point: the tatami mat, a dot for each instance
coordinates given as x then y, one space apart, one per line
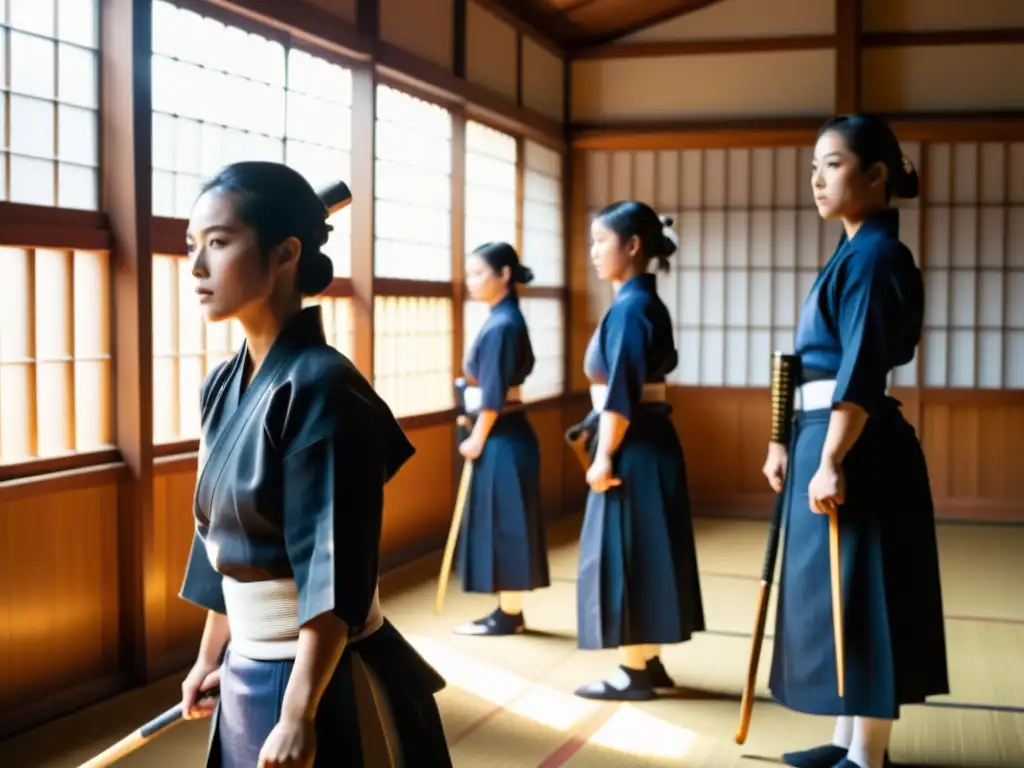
509 700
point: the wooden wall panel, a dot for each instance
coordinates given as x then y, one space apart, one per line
944 78
543 83
343 9
421 28
59 610
744 19
175 624
717 85
492 52
924 15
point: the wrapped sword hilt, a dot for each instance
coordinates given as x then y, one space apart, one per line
785 378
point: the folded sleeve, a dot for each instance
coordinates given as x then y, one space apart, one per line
624 347
333 502
496 362
869 308
202 584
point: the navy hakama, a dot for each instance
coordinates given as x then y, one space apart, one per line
502 543
378 709
638 581
289 502
863 317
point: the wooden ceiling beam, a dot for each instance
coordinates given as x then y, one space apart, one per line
681 9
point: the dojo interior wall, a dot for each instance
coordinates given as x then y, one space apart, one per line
712 118
99 337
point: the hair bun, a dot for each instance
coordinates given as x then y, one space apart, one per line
907 183
523 274
316 271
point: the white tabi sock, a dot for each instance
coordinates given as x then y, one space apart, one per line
843 734
870 740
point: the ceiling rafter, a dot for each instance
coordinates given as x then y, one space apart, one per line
578 24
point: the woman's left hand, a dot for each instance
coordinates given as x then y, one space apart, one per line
291 744
827 489
471 448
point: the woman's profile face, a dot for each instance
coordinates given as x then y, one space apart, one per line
610 257
841 187
225 257
482 282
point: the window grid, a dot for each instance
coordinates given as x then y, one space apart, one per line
337 316
222 94
412 188
974 266
55 353
545 319
750 245
491 186
185 349
49 105
543 239
413 353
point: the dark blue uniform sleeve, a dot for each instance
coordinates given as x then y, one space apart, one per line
333 504
202 584
496 362
624 345
868 296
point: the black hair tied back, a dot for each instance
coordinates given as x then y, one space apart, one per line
872 140
500 255
278 202
631 218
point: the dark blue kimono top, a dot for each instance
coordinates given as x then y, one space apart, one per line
864 314
634 344
291 476
501 355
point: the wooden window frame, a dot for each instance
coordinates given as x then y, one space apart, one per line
126 227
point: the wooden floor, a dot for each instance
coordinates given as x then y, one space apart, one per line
509 701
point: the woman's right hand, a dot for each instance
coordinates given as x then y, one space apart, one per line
201 678
775 466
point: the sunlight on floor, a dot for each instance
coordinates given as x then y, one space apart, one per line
638 733
628 730
518 695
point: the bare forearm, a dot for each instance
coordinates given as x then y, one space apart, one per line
844 428
484 423
611 431
215 637
321 644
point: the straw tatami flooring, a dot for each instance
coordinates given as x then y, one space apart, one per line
509 700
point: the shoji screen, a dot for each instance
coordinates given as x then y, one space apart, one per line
974 266
750 245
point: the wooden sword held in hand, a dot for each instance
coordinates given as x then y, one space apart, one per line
142 736
465 481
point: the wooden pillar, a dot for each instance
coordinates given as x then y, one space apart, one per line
126 114
364 112
849 14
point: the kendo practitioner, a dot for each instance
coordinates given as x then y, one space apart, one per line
853 454
638 585
502 543
295 451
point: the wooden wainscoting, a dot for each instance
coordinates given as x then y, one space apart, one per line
973 440
59 610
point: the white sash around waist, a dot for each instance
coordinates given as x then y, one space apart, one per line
473 398
651 393
816 395
263 617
